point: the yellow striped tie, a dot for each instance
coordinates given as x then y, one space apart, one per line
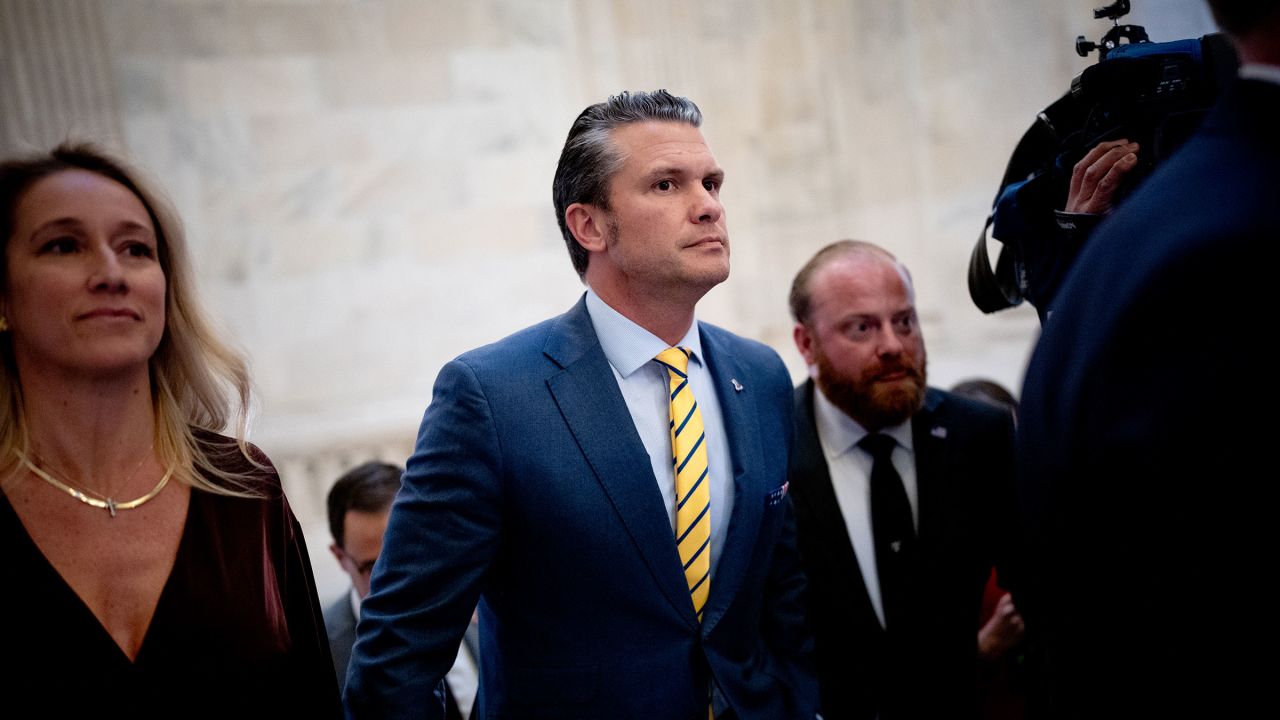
693 497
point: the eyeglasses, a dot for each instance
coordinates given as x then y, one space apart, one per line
364 569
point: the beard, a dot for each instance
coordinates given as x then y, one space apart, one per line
875 405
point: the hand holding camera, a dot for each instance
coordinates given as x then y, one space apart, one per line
1098 175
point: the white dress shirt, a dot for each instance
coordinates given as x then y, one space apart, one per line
1259 71
850 468
645 387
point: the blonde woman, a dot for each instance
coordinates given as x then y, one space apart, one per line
154 566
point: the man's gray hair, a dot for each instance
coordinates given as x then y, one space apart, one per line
590 158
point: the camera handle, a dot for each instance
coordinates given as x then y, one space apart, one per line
1110 41
1114 36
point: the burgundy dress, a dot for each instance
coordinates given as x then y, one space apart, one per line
237 632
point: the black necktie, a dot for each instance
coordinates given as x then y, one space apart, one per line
892 529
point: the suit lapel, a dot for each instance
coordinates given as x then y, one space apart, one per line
929 433
822 509
739 411
592 406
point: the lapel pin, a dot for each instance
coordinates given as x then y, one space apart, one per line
939 432
737 386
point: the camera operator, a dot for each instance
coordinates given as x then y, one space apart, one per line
1088 150
1142 448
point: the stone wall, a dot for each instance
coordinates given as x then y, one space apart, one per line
366 184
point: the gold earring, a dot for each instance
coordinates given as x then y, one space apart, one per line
4 324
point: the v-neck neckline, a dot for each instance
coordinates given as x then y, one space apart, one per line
82 608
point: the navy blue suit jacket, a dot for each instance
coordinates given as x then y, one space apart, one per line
530 491
1144 482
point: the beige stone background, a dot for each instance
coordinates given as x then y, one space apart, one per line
366 184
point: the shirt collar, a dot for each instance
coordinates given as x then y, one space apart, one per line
626 345
840 432
1259 71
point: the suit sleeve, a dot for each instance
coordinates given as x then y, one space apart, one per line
441 539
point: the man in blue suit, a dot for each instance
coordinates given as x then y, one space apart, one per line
612 582
1143 439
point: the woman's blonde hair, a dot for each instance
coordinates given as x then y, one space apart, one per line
198 382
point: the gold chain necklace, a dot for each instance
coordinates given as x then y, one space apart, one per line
108 504
42 463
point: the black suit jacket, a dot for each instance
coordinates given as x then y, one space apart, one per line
1146 489
964 469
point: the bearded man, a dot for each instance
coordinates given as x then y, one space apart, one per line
903 496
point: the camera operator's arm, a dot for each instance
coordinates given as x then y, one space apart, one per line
1044 240
1090 196
1098 175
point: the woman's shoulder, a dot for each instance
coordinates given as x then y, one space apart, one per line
246 462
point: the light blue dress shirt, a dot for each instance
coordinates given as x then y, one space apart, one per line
631 350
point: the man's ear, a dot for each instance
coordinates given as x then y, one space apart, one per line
589 225
337 552
804 342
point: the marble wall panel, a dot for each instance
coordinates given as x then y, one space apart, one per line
366 184
55 79
374 80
